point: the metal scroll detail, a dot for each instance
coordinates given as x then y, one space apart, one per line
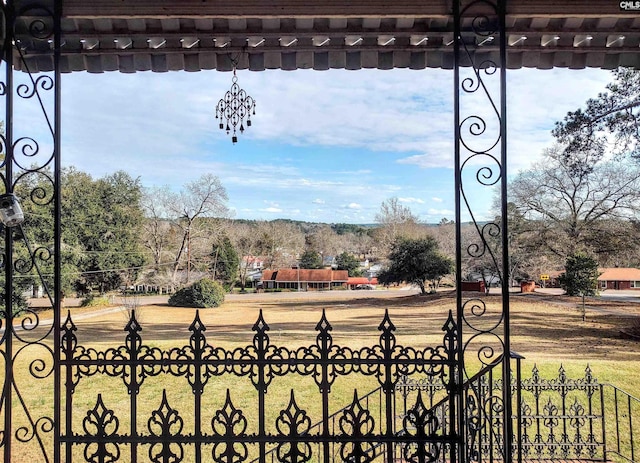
480 158
176 430
29 169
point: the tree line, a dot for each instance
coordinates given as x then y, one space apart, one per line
583 198
116 233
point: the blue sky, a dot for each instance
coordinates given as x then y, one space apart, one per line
324 146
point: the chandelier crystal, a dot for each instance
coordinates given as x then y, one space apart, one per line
233 108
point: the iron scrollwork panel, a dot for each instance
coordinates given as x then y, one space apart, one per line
480 116
29 170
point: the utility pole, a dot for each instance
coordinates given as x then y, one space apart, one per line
188 254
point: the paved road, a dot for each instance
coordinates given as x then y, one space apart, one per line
609 294
548 295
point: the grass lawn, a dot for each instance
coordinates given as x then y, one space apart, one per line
546 334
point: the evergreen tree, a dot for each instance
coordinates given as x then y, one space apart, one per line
346 261
613 115
581 275
102 223
225 263
416 261
310 259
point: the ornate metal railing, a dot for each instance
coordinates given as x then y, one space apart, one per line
29 170
431 386
621 419
561 418
372 400
557 419
230 436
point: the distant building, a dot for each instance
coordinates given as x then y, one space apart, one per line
304 279
619 278
252 262
329 261
373 269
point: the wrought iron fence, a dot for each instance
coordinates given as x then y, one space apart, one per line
356 435
561 418
557 418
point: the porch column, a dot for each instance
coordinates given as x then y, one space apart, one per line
30 170
481 160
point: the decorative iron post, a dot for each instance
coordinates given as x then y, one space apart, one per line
480 159
30 172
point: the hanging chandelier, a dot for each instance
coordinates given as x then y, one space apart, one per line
233 108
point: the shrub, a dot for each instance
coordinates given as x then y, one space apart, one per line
93 301
201 294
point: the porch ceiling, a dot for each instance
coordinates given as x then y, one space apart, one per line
192 35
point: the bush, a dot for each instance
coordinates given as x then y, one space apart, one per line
201 294
93 301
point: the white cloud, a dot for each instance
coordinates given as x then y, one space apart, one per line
272 210
318 201
440 155
411 200
354 172
363 109
353 206
436 200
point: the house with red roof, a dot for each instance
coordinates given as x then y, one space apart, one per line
305 279
619 278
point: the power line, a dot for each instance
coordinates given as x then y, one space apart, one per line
90 272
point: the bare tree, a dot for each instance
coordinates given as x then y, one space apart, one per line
244 237
190 214
573 208
395 221
280 243
324 241
360 244
445 235
158 236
